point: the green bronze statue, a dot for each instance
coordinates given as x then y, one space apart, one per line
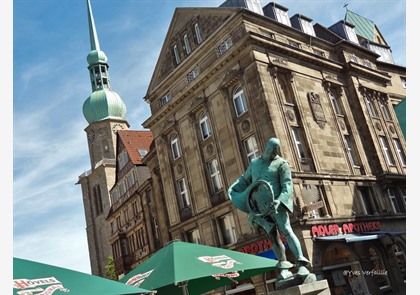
265 192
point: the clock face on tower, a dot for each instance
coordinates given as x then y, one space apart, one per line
116 127
91 135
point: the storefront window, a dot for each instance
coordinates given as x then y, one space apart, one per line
343 271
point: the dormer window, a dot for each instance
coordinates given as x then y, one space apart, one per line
142 152
303 23
282 16
255 6
307 27
351 33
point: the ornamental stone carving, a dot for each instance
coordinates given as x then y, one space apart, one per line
317 111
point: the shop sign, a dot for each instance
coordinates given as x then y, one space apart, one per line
312 206
259 247
346 228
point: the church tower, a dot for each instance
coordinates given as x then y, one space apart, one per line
105 113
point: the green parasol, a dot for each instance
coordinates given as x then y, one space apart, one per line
32 278
187 268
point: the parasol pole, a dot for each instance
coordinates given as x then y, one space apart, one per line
184 286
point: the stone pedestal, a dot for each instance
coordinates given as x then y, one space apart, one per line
314 288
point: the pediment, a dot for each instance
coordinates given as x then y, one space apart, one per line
183 23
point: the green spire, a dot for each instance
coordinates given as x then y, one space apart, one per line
103 103
95 55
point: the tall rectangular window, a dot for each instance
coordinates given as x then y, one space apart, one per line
299 143
371 107
126 217
99 208
122 159
364 199
176 151
394 201
402 191
193 236
350 151
251 148
385 111
228 229
205 126
216 179
335 102
386 150
156 228
130 179
149 197
198 35
400 152
176 54
403 82
239 101
187 45
135 208
183 193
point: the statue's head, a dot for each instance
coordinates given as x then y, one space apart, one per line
272 148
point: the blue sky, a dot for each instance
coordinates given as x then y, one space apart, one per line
51 82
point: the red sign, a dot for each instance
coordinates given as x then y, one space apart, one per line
346 228
258 247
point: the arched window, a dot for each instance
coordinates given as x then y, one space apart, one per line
176 151
205 126
400 258
381 276
239 101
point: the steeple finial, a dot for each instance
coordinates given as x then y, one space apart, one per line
94 41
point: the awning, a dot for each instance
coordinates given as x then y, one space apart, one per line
349 238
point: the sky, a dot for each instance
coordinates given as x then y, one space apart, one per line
50 83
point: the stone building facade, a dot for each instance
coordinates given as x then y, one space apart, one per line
227 80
